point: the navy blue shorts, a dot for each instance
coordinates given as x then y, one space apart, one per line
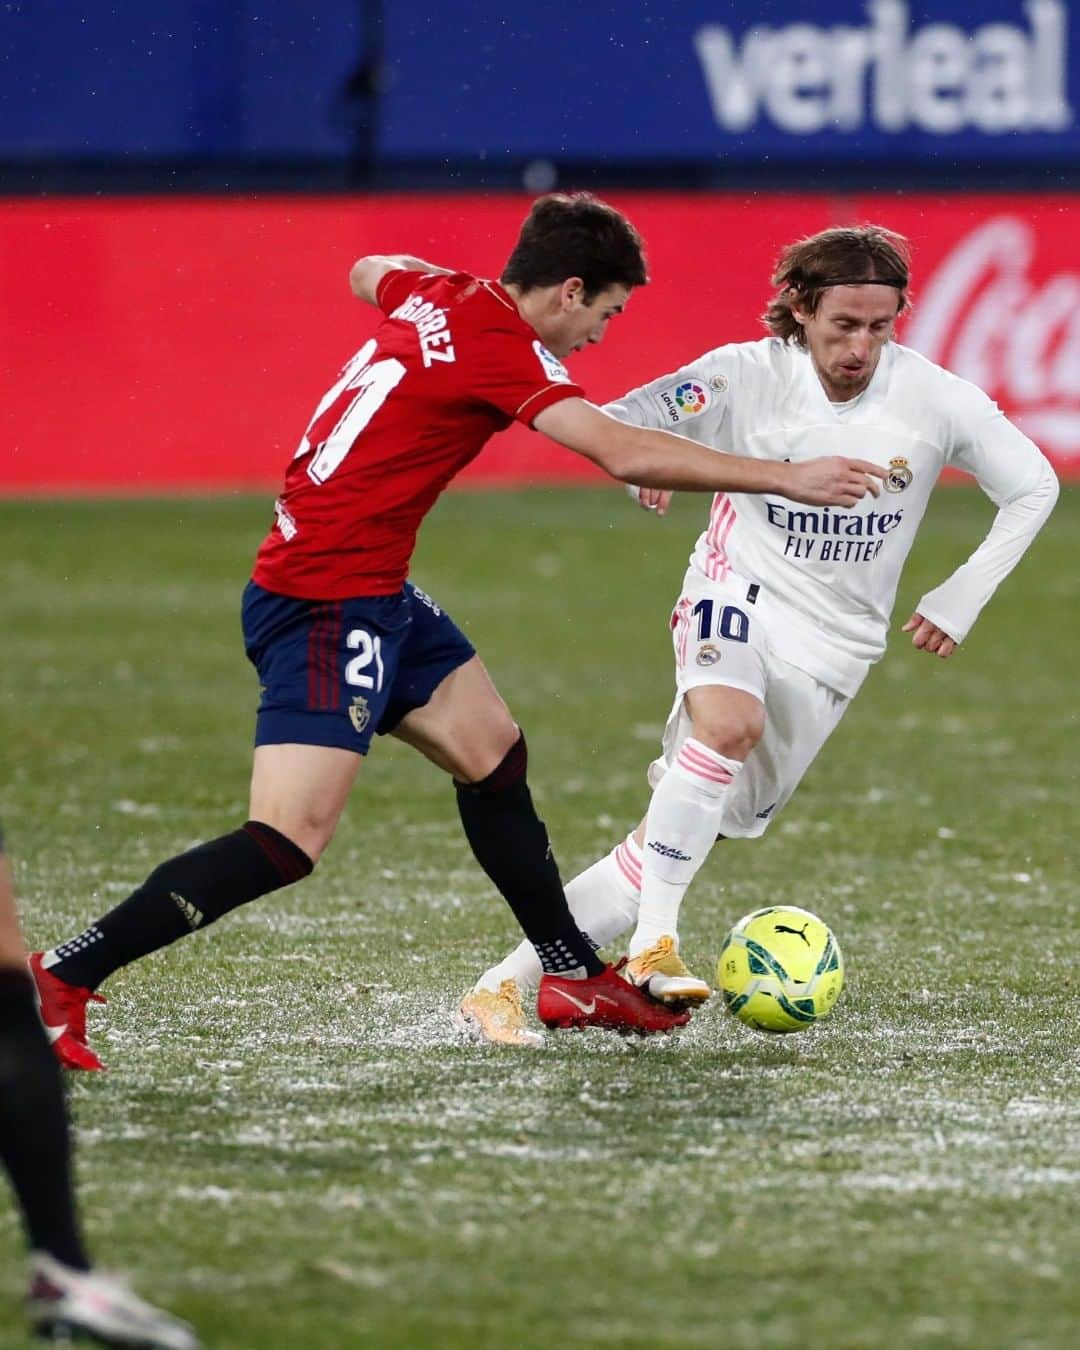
333 672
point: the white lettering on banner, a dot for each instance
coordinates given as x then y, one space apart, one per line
982 316
940 78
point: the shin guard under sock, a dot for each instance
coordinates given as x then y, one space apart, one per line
511 844
185 893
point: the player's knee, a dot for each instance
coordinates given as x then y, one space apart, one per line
312 837
510 769
733 735
309 831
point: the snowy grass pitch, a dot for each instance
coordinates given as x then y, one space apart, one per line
292 1148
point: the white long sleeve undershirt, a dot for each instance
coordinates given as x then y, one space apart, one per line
956 603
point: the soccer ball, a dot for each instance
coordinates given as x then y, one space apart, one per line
780 969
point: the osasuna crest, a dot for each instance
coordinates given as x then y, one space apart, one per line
553 367
359 714
899 476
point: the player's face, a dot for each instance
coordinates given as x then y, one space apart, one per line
846 335
577 323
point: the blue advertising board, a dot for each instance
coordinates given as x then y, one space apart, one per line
706 79
645 82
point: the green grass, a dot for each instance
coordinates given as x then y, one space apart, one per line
293 1150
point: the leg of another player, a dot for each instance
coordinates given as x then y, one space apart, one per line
680 828
35 1150
604 902
605 898
467 729
33 1124
297 795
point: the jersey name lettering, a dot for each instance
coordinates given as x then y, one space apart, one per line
436 341
286 524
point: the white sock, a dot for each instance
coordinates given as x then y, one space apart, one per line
603 900
680 829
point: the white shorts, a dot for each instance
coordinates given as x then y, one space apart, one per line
720 640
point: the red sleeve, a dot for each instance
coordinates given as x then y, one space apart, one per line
393 288
520 377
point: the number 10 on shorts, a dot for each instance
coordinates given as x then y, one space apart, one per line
731 622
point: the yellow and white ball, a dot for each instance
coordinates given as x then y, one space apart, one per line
780 969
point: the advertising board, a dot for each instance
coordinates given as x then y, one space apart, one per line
155 345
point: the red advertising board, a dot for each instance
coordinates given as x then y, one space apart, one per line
156 344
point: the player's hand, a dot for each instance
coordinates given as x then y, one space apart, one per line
651 499
834 481
655 499
928 637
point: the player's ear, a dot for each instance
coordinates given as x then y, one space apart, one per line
572 292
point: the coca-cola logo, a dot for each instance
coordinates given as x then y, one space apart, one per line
984 316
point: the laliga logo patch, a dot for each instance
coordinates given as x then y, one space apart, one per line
553 367
359 714
899 476
680 401
707 654
691 398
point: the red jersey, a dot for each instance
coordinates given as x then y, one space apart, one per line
452 363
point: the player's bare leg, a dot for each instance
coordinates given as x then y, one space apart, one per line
12 951
466 728
680 829
301 791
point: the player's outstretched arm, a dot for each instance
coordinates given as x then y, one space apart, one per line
658 459
366 273
1018 478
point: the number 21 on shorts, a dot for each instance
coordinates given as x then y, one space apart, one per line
369 653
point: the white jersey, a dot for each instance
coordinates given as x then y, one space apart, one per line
828 575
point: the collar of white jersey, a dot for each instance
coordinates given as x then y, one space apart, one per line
816 400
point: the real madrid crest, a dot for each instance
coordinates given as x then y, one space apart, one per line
707 654
359 714
899 476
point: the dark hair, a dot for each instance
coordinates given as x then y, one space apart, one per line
576 235
843 256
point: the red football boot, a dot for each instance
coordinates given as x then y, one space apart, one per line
63 1011
605 1000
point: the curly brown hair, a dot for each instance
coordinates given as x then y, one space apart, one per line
842 256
